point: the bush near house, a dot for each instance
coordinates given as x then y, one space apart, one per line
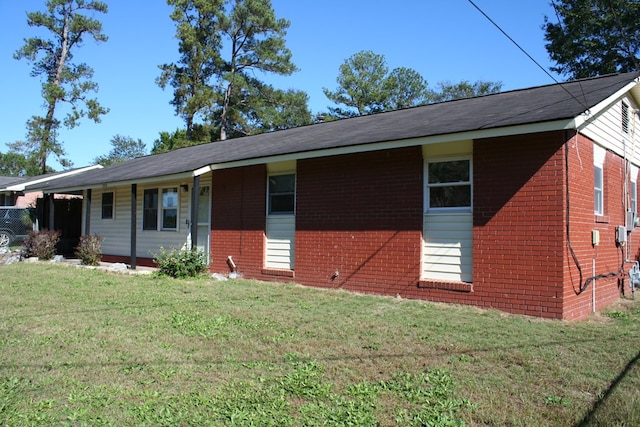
41 244
89 250
180 263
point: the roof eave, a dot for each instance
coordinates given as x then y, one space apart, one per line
113 184
22 186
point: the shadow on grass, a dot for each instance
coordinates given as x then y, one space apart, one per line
589 417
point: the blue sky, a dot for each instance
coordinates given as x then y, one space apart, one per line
442 40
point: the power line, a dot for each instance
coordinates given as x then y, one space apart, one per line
513 41
525 52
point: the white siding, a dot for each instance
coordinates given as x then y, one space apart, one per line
117 231
606 131
448 247
280 241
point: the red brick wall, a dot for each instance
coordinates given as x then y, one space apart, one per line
238 219
360 215
607 256
518 224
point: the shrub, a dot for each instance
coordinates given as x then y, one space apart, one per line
89 250
180 263
41 244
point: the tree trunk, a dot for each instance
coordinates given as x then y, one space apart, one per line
48 139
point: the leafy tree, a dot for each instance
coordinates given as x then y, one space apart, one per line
406 88
593 37
170 141
216 83
257 43
262 108
276 109
199 46
63 81
124 148
366 86
448 91
361 85
16 164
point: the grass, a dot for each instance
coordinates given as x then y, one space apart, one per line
87 347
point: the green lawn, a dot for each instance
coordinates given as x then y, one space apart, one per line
86 347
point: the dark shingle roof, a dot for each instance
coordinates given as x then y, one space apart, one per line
563 101
6 181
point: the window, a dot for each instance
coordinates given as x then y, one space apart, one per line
150 209
599 155
449 185
281 194
625 117
107 205
166 213
170 208
598 191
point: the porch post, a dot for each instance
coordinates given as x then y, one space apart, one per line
195 193
87 212
51 220
134 204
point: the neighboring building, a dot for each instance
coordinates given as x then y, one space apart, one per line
7 197
524 201
14 192
12 189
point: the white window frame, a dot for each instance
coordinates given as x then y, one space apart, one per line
167 204
295 185
113 206
599 155
598 190
428 186
163 204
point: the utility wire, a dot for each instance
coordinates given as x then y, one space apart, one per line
562 27
526 53
513 41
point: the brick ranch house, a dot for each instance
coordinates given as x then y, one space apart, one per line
524 201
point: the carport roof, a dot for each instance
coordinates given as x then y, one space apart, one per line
562 103
9 180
